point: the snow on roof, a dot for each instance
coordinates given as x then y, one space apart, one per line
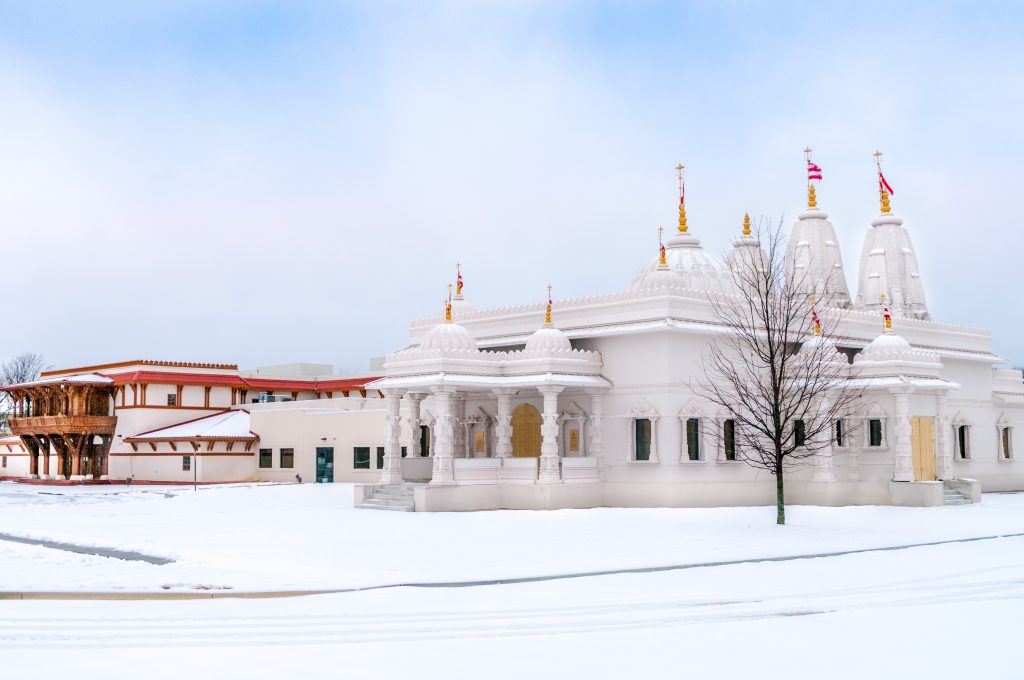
226 425
79 379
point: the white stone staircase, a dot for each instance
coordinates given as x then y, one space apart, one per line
951 496
396 497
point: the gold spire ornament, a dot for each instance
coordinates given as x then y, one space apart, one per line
813 172
814 316
746 224
547 313
883 194
458 279
662 262
682 200
447 311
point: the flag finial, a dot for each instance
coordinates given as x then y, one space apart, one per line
662 262
886 316
813 173
746 224
682 199
814 316
884 190
458 280
547 312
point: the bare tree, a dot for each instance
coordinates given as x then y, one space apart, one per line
20 368
777 372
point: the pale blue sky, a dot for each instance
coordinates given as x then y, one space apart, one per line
266 182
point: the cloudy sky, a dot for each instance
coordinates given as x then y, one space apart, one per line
262 182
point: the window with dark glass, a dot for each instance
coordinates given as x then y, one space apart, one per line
266 458
839 433
404 452
799 433
172 399
693 438
874 432
361 458
961 441
729 439
186 462
5 461
642 434
380 457
424 440
1005 437
287 458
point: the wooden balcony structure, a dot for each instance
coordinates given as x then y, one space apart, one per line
70 419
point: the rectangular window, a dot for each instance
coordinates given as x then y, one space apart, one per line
874 432
642 434
361 458
186 462
962 442
5 461
287 458
172 399
839 433
799 433
729 439
1004 440
404 452
380 457
424 440
693 438
266 458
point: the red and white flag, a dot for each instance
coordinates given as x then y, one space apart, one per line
884 184
813 171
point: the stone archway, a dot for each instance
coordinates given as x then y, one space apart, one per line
526 438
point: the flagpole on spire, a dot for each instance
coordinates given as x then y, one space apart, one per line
884 190
682 199
886 316
813 172
547 312
458 280
662 262
814 316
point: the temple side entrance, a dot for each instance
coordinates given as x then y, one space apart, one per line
922 438
526 435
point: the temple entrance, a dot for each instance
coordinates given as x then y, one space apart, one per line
526 421
922 440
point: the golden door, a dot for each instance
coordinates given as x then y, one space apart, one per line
526 422
922 440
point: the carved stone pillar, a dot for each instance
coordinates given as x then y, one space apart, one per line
823 471
903 457
443 472
595 429
503 424
413 418
392 471
549 468
943 452
458 415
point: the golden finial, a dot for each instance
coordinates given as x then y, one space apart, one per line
448 311
814 316
682 200
547 313
662 262
812 199
458 279
883 195
886 316
746 224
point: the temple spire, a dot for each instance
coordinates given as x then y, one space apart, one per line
746 224
682 199
884 190
547 313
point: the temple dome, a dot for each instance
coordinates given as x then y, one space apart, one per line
695 268
448 337
886 346
829 350
548 339
460 307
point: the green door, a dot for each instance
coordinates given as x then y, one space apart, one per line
324 464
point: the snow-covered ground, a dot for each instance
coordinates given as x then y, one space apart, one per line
950 610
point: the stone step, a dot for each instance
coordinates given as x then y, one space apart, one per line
402 508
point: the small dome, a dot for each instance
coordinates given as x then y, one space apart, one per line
448 337
548 339
696 268
830 351
660 278
885 346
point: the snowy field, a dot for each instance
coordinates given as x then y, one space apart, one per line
948 610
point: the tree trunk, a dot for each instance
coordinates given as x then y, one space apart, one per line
780 497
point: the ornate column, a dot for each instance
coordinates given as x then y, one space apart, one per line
943 454
823 471
33 456
443 473
596 414
412 402
503 424
458 402
44 451
392 472
549 468
903 458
